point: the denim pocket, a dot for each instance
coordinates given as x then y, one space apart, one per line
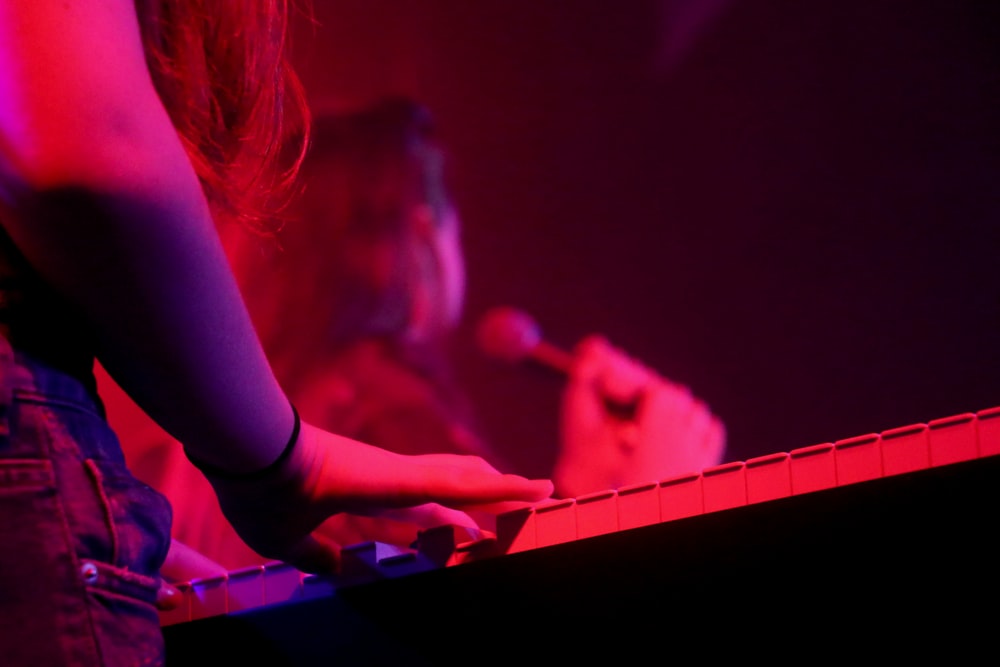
56 608
81 539
138 517
113 517
125 618
20 476
43 609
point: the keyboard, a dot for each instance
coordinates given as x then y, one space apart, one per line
882 540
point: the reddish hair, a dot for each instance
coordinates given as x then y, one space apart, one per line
221 68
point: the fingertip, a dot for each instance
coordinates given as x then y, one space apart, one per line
591 345
168 597
315 555
544 489
596 339
721 434
535 489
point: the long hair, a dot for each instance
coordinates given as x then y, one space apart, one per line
222 70
359 248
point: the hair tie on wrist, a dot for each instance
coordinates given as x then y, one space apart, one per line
219 473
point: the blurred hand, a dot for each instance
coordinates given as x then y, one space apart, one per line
328 474
668 431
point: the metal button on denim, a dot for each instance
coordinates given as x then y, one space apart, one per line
89 572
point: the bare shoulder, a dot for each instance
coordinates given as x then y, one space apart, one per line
68 69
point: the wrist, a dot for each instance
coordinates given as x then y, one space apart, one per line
268 471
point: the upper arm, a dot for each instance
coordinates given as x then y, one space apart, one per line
75 93
98 194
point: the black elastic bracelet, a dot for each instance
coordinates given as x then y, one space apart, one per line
219 473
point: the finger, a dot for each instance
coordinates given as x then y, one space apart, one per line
699 418
590 345
431 515
315 554
454 534
184 564
168 597
501 507
588 360
628 436
621 378
467 477
504 488
466 486
716 440
469 460
674 399
393 480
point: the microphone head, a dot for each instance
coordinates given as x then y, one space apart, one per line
508 334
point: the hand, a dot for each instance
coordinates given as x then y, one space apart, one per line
183 564
398 527
669 433
327 474
168 596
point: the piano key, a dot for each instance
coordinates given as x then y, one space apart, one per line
282 583
209 597
555 522
905 449
858 459
638 505
988 431
768 477
406 562
597 514
245 588
953 439
367 561
724 486
813 468
682 496
315 586
516 531
484 547
448 545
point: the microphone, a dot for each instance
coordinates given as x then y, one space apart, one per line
513 336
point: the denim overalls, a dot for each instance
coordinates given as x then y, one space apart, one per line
81 539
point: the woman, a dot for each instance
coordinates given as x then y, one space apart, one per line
126 130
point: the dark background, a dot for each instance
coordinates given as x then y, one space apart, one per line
789 206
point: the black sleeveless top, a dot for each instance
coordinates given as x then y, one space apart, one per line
37 321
